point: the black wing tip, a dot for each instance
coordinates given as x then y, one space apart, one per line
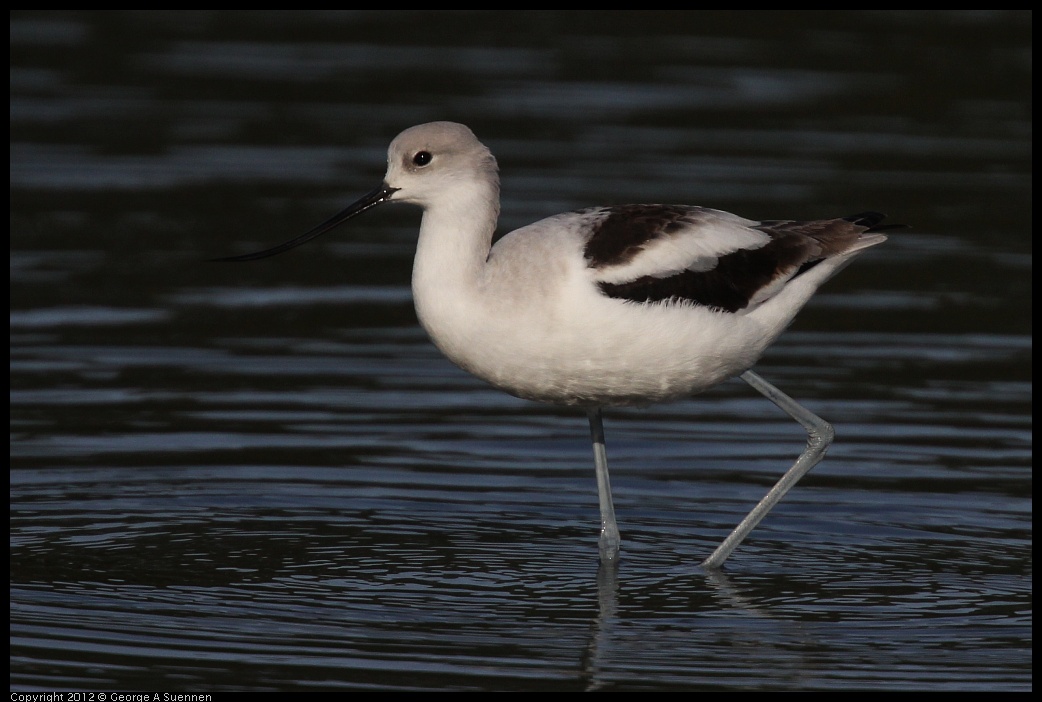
871 221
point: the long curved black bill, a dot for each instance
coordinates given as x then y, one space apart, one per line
355 208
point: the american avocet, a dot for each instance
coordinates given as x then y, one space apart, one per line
623 305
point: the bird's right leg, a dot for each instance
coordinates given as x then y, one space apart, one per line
819 435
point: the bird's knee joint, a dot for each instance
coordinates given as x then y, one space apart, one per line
821 436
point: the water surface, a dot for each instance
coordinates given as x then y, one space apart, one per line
263 476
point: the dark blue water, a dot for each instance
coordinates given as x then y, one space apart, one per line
263 476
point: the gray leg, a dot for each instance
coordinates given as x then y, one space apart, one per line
819 436
609 541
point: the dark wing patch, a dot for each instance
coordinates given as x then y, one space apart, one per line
794 248
730 286
623 233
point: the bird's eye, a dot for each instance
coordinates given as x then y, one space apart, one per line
422 158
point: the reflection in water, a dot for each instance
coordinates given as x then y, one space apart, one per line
601 629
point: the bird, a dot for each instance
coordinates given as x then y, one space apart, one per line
618 305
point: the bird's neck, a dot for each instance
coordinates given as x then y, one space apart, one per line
451 257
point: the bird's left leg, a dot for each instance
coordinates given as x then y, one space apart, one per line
609 540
